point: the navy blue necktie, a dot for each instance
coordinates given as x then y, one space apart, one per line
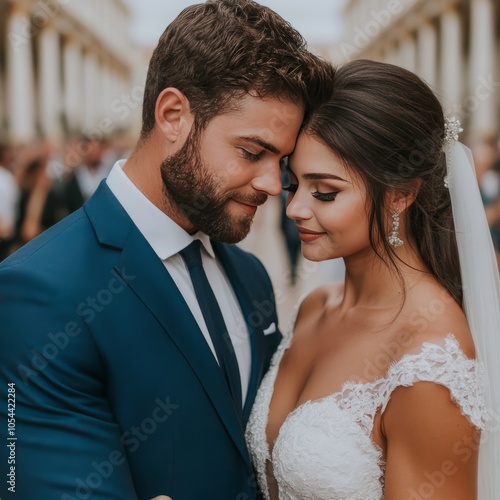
214 321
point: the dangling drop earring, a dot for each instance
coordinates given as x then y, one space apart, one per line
394 238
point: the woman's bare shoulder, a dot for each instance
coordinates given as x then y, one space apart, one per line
314 304
326 295
433 318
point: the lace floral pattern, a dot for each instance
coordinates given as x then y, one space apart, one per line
257 424
324 448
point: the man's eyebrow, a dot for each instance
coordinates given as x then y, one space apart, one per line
263 144
318 177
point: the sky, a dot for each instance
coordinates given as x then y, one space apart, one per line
318 21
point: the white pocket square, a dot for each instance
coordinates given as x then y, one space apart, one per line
270 329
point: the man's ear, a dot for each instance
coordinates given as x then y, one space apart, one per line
401 199
173 115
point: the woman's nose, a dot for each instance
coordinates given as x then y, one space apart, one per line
296 208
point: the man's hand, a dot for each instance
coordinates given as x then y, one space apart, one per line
161 497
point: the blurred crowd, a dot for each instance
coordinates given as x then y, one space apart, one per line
41 184
487 161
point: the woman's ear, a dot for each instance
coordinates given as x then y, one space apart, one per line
173 115
400 199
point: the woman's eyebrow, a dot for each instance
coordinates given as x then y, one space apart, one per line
321 176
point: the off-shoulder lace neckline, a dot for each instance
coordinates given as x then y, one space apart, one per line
450 343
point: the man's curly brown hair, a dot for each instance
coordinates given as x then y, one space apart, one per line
220 50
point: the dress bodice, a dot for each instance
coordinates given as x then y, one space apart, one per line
324 449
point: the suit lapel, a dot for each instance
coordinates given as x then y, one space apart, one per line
148 278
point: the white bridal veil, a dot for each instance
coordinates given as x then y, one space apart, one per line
481 290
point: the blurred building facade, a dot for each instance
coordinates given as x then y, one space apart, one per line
66 67
452 44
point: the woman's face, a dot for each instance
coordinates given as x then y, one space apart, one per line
327 202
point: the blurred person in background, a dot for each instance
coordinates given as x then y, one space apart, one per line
487 163
9 201
491 199
38 204
88 164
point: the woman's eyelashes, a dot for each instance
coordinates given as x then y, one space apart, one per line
325 196
329 196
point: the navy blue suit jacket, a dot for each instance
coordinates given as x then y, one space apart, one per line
116 393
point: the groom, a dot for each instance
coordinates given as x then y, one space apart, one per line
133 335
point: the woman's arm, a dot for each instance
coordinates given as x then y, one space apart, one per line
432 449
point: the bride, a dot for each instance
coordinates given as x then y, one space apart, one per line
381 388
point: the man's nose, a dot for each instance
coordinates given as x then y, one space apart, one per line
268 181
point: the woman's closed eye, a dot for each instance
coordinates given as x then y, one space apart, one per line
325 196
329 196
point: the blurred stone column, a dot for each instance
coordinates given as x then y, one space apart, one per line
73 88
391 55
427 52
408 52
50 83
482 68
452 72
106 91
20 77
91 83
98 92
123 85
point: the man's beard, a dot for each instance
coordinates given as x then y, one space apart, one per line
193 190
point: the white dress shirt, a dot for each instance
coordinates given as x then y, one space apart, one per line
167 239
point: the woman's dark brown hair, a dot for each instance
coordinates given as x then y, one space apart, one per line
387 125
220 50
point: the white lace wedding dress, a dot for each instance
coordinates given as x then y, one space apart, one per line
324 450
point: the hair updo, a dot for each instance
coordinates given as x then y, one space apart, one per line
387 126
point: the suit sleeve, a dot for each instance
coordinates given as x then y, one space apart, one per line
63 442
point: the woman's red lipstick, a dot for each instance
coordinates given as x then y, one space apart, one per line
306 235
